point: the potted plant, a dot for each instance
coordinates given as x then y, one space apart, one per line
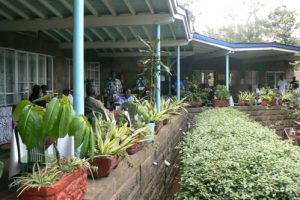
267 96
35 125
222 97
287 97
111 142
246 98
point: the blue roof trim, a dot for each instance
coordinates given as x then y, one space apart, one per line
245 45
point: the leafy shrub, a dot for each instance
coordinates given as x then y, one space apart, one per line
222 92
228 156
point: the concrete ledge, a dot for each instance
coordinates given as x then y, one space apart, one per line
144 180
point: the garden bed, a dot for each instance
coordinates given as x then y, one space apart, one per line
228 156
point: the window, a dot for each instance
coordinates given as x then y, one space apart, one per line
19 71
204 77
272 78
93 74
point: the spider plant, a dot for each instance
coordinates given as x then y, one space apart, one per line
51 173
246 96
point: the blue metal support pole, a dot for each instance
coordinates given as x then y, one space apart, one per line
170 78
178 73
227 71
157 88
78 58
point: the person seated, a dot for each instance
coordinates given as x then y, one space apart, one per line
294 85
91 104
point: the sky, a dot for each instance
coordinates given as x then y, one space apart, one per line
216 13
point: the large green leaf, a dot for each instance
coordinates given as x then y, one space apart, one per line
51 116
85 144
65 121
92 143
29 126
17 111
1 168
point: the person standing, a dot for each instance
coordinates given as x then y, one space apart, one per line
113 89
294 84
282 84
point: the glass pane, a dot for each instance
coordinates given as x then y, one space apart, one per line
10 99
49 73
2 99
23 89
42 70
32 68
10 71
2 72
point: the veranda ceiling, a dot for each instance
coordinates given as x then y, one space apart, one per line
111 26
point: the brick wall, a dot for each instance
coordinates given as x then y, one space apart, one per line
144 180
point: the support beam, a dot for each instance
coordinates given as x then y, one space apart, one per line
140 54
33 9
178 73
147 33
227 71
90 22
172 31
97 34
78 56
51 8
3 13
67 5
157 85
14 9
109 7
129 6
88 37
123 44
61 35
52 36
90 8
109 34
121 33
133 32
150 7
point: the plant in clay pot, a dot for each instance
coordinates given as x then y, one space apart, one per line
246 98
222 97
267 96
37 124
111 143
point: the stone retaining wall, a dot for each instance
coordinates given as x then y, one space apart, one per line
144 179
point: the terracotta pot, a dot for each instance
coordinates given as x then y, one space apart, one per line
264 102
220 102
244 103
135 148
71 186
105 165
165 121
194 104
158 126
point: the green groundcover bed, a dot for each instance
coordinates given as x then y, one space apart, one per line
229 156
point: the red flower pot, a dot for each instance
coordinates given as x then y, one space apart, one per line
244 103
71 186
264 102
220 103
135 148
158 126
194 104
105 165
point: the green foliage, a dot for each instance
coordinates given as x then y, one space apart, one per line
228 156
222 92
150 63
268 94
1 168
35 123
48 175
113 140
246 96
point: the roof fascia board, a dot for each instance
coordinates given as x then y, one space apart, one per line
264 49
213 44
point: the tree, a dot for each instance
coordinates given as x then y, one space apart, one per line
281 25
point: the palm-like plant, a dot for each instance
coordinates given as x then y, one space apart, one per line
150 63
